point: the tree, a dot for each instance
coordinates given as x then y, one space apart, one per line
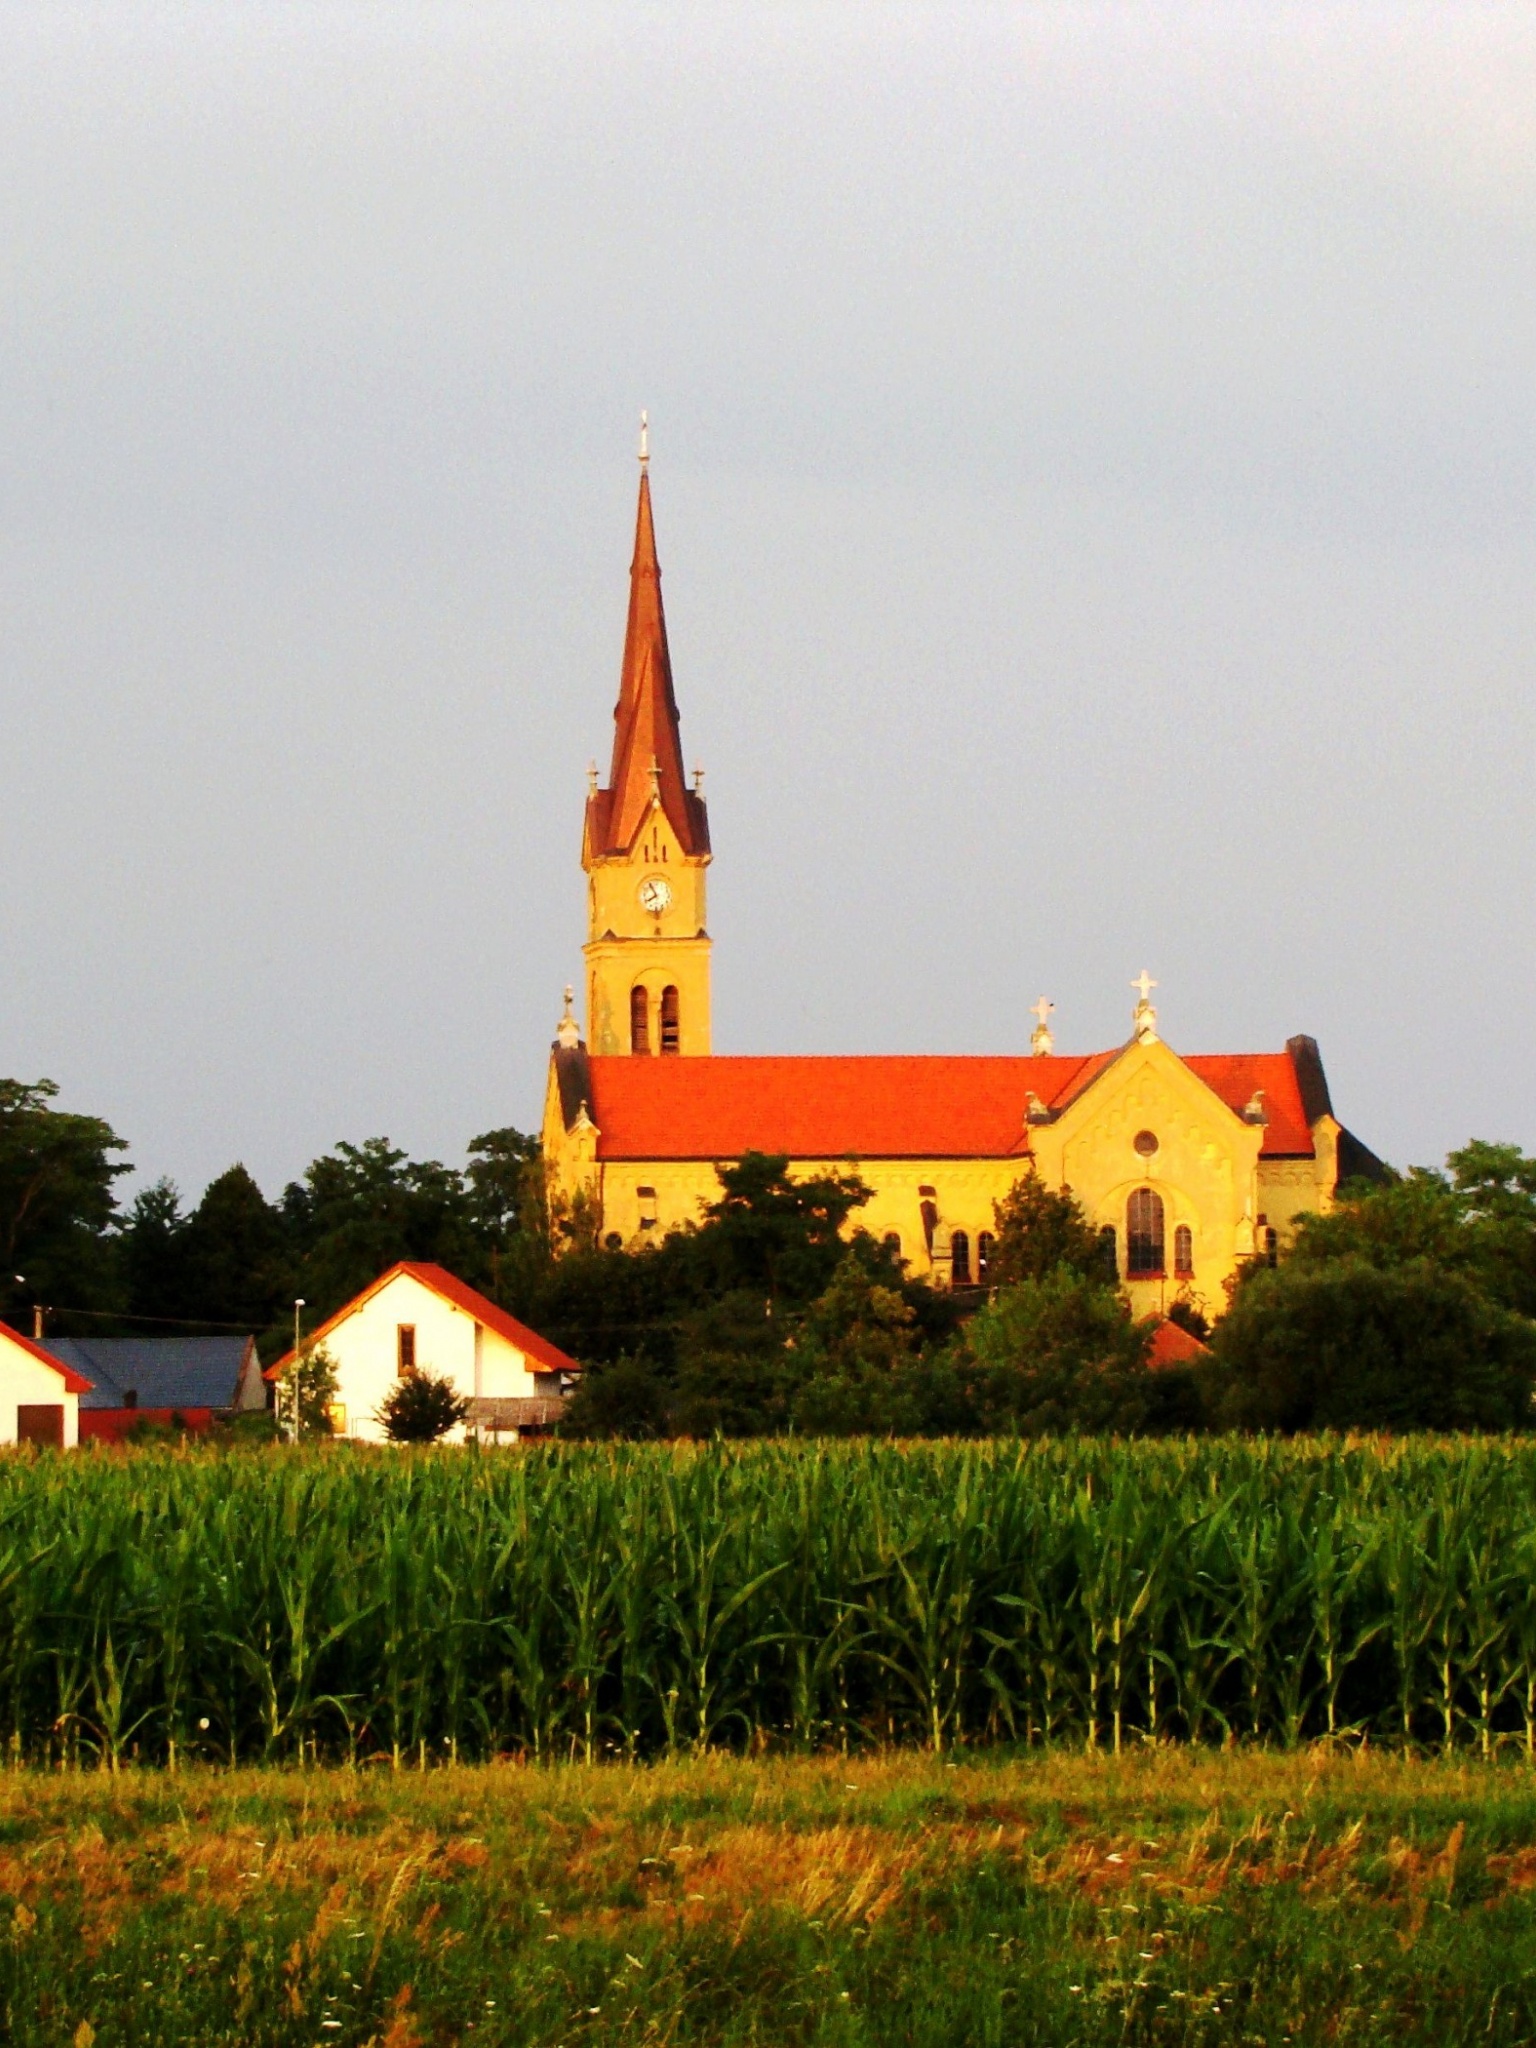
770 1233
237 1263
363 1207
627 1397
1041 1228
421 1408
1347 1343
154 1255
1057 1353
306 1392
56 1202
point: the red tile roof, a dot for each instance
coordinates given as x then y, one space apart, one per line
74 1382
450 1288
1173 1345
1234 1076
880 1107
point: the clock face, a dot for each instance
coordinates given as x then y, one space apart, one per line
655 894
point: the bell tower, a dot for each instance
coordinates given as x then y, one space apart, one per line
646 845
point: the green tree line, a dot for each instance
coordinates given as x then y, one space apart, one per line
1411 1305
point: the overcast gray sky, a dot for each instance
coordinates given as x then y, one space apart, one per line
1094 460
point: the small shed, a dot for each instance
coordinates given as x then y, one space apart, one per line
158 1379
39 1395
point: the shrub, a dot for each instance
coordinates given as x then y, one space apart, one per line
421 1408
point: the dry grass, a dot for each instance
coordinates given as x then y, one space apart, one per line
782 1900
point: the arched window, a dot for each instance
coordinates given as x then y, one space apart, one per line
892 1243
1109 1253
1143 1234
959 1258
985 1245
669 1028
1271 1247
1183 1251
639 1020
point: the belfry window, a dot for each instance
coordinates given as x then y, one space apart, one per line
1144 1234
960 1258
639 1020
986 1244
1183 1251
1271 1246
669 1024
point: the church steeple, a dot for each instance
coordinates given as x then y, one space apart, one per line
647 742
646 844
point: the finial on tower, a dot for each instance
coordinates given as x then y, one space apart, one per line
1144 1020
645 439
1041 1042
568 1031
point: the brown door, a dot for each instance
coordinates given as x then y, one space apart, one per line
40 1422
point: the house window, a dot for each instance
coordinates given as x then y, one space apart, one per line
405 1350
1183 1251
985 1245
1109 1253
639 1020
669 1027
960 1258
1144 1234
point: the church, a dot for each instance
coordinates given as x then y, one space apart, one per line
1190 1164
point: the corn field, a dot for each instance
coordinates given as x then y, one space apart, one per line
589 1602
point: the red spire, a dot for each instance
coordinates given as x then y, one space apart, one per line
647 745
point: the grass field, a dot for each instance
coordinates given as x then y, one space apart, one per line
1164 1896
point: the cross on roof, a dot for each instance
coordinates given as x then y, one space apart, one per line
1144 984
1042 1010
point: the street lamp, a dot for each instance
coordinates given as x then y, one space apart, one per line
297 1366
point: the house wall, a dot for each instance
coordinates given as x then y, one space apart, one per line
449 1343
24 1382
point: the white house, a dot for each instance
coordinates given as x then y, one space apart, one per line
39 1395
420 1318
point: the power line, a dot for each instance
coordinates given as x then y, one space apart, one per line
108 1315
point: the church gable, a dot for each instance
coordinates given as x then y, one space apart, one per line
1164 1161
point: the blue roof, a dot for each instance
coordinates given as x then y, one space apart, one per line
163 1372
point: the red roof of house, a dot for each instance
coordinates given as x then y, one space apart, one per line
1173 1345
899 1106
74 1382
451 1289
